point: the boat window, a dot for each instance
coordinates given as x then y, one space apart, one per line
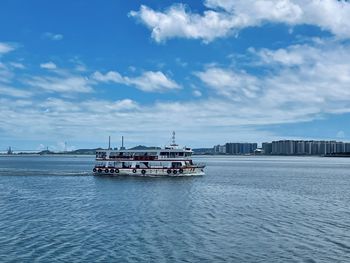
99 164
101 154
113 155
145 164
176 164
117 164
126 164
181 154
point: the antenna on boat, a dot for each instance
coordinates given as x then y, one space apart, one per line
122 148
173 140
109 142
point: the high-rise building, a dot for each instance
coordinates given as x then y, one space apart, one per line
266 147
241 148
300 147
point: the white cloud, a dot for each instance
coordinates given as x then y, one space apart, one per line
57 118
48 65
300 83
225 17
239 103
149 81
13 92
197 93
6 48
310 79
61 84
229 83
53 36
281 56
110 76
79 65
17 65
177 22
6 74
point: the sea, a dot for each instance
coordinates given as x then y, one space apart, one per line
245 209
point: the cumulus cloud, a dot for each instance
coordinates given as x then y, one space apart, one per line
48 65
225 17
282 56
149 81
314 78
230 83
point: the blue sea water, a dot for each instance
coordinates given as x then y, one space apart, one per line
245 209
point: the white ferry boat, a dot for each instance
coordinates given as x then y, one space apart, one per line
169 161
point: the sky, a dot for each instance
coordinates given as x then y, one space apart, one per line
215 71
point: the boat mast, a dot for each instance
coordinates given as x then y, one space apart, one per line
173 140
122 148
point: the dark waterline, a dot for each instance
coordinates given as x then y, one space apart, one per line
245 209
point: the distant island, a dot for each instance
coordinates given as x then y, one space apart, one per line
75 152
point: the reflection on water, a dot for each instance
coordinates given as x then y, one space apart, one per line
244 209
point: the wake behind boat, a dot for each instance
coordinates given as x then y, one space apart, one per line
169 161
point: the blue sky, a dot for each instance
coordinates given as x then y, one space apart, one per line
214 71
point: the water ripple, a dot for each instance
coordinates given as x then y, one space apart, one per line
246 209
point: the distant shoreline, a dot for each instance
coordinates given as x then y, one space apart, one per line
195 154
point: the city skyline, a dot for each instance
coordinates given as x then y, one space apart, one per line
79 71
285 147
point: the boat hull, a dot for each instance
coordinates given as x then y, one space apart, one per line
193 171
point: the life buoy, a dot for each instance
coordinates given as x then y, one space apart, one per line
175 171
168 171
100 170
112 171
143 171
181 170
117 171
134 171
94 170
106 171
